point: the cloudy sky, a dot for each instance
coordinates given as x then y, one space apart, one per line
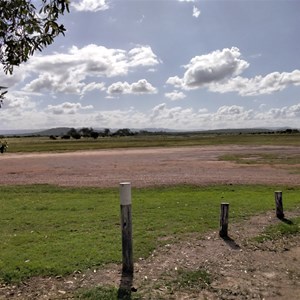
178 64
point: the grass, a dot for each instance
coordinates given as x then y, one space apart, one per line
285 228
261 158
187 279
47 230
42 144
106 293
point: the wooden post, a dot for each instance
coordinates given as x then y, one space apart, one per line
126 226
279 207
224 220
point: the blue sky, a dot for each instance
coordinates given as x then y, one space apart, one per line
178 64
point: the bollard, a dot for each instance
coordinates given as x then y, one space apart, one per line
224 220
126 226
279 207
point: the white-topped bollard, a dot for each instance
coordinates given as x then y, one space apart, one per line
126 227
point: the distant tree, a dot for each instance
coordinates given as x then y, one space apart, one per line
76 136
106 132
94 134
66 137
86 132
144 132
123 132
72 132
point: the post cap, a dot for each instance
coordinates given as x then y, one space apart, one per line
125 193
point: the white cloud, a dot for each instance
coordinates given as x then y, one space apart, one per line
210 68
67 108
258 85
233 113
225 117
175 95
93 86
176 81
142 56
203 111
141 20
66 73
143 87
285 112
140 87
219 72
160 116
174 117
90 5
16 102
196 12
11 80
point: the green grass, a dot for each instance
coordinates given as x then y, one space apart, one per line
42 144
273 232
187 279
261 158
48 230
106 293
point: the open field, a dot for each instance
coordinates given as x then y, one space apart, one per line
40 224
44 144
176 197
50 232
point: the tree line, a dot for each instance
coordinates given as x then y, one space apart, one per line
87 132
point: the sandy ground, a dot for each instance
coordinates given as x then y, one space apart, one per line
146 167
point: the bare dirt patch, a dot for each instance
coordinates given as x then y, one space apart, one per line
238 267
147 167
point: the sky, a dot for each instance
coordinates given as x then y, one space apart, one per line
176 64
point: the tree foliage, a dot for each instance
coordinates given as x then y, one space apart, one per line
2 95
123 132
25 28
74 134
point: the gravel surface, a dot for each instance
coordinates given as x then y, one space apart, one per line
147 167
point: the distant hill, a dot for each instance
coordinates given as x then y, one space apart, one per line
59 131
40 132
238 130
17 132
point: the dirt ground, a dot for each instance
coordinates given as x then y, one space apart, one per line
147 167
239 267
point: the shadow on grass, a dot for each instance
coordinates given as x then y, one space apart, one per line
287 221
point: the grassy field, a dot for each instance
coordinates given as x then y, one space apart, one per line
40 144
283 229
262 158
48 230
290 162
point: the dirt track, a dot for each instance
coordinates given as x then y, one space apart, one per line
146 167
